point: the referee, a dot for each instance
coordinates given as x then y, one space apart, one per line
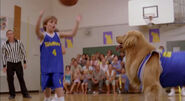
13 54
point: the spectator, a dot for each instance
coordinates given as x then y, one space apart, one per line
98 76
77 82
78 58
88 66
102 57
72 61
83 61
104 66
85 81
161 49
75 66
109 56
121 56
87 57
124 80
67 78
110 79
117 67
94 60
97 55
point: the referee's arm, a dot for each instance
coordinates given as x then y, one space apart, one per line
23 52
4 56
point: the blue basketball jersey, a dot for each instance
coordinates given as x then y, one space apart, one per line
51 55
173 64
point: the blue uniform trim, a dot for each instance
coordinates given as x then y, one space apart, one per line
145 60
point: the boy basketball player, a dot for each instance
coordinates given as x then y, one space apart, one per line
52 67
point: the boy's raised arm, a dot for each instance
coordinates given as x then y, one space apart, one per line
37 30
74 31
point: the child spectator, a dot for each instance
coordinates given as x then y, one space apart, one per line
110 79
94 60
117 67
85 81
83 61
109 56
124 80
77 82
67 78
104 66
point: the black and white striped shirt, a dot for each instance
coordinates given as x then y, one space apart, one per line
13 52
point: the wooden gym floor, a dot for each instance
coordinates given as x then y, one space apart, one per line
90 97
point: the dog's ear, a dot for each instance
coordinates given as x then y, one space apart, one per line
130 41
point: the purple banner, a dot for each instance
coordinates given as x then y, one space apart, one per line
69 42
107 37
154 35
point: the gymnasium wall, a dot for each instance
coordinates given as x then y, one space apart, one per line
94 12
30 10
102 16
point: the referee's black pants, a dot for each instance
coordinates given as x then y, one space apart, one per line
11 69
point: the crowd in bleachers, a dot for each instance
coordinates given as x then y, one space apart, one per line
97 73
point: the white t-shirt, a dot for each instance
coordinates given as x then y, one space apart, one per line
104 67
90 68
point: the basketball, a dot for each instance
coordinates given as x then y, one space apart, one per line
68 2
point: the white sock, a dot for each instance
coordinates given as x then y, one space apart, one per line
60 99
56 95
47 99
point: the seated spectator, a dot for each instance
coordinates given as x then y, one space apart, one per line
121 56
110 79
104 66
97 55
88 66
75 66
78 58
67 78
72 61
87 57
98 76
77 82
109 56
124 80
83 61
86 77
102 57
94 61
117 67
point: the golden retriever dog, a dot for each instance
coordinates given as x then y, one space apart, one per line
137 48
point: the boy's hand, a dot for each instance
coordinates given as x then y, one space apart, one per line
42 12
78 18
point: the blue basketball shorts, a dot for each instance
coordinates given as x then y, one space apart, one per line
51 80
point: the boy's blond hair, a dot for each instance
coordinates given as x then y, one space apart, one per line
47 19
